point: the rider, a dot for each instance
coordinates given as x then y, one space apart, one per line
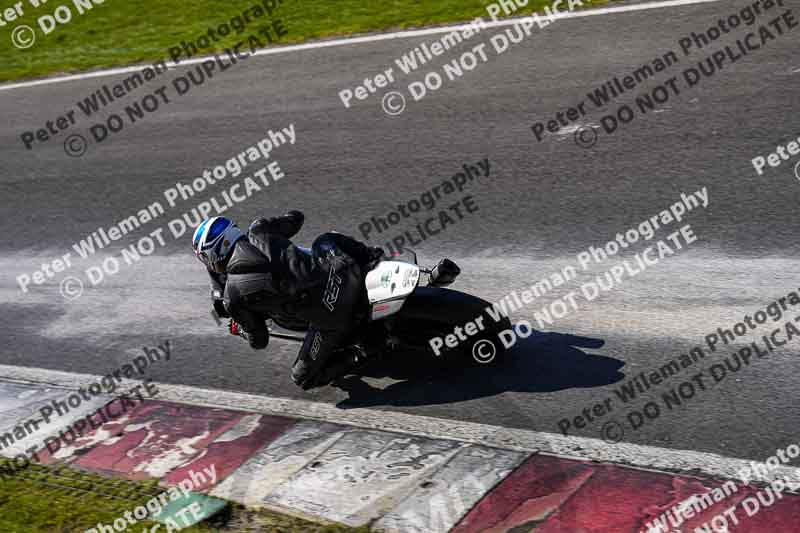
264 275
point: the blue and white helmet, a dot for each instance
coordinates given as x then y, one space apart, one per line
213 242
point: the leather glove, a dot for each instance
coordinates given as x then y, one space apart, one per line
287 226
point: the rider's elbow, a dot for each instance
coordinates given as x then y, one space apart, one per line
259 342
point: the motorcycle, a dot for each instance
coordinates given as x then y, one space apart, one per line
401 314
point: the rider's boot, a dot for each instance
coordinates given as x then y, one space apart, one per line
346 360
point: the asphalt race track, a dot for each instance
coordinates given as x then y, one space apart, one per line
541 204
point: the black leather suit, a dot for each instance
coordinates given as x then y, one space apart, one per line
268 276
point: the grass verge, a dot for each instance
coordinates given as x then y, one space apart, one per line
115 33
39 499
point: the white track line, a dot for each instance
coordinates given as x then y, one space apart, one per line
641 456
366 39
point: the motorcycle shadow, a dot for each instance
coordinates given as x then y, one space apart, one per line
544 362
